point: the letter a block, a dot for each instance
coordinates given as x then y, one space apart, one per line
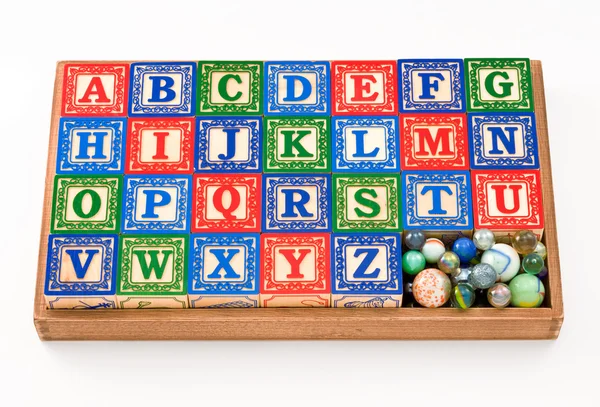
153 272
366 270
86 204
297 144
295 270
81 272
499 84
507 201
224 271
364 88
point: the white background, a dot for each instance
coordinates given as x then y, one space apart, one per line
564 35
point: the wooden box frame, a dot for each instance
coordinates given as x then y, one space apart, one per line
317 323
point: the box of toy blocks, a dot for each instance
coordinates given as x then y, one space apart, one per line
390 199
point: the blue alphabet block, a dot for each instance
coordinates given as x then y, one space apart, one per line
297 203
366 144
156 204
431 85
162 89
90 145
503 141
297 88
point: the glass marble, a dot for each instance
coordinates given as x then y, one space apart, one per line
524 241
463 296
449 262
484 239
499 295
504 259
465 249
414 239
543 274
413 262
483 276
532 263
527 291
461 275
540 249
432 288
433 250
408 288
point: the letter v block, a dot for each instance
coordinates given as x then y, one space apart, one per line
295 270
366 270
153 272
224 271
81 272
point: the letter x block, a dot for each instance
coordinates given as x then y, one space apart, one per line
153 272
224 271
366 270
81 272
295 270
507 201
364 88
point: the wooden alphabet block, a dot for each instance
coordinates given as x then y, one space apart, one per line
223 301
295 301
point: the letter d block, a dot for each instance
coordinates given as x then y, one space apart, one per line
153 272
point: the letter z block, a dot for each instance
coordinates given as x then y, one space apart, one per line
81 272
224 271
295 270
366 270
153 272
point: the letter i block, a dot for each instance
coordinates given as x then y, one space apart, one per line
297 144
295 270
163 89
86 204
297 88
153 272
232 88
364 88
81 272
366 270
507 201
438 202
434 141
95 90
224 271
366 203
226 203
498 84
159 146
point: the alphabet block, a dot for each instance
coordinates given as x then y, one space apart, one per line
95 90
434 141
153 272
297 203
81 272
225 265
366 203
229 144
163 89
431 85
503 141
90 145
86 204
365 144
295 270
297 144
507 201
160 146
156 204
297 88
232 88
367 271
226 203
364 88
498 84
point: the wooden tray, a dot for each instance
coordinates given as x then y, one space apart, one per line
316 323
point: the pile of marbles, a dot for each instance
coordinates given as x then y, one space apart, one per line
475 272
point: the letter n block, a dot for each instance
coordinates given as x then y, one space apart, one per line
507 201
364 88
81 272
224 271
153 272
366 270
295 270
